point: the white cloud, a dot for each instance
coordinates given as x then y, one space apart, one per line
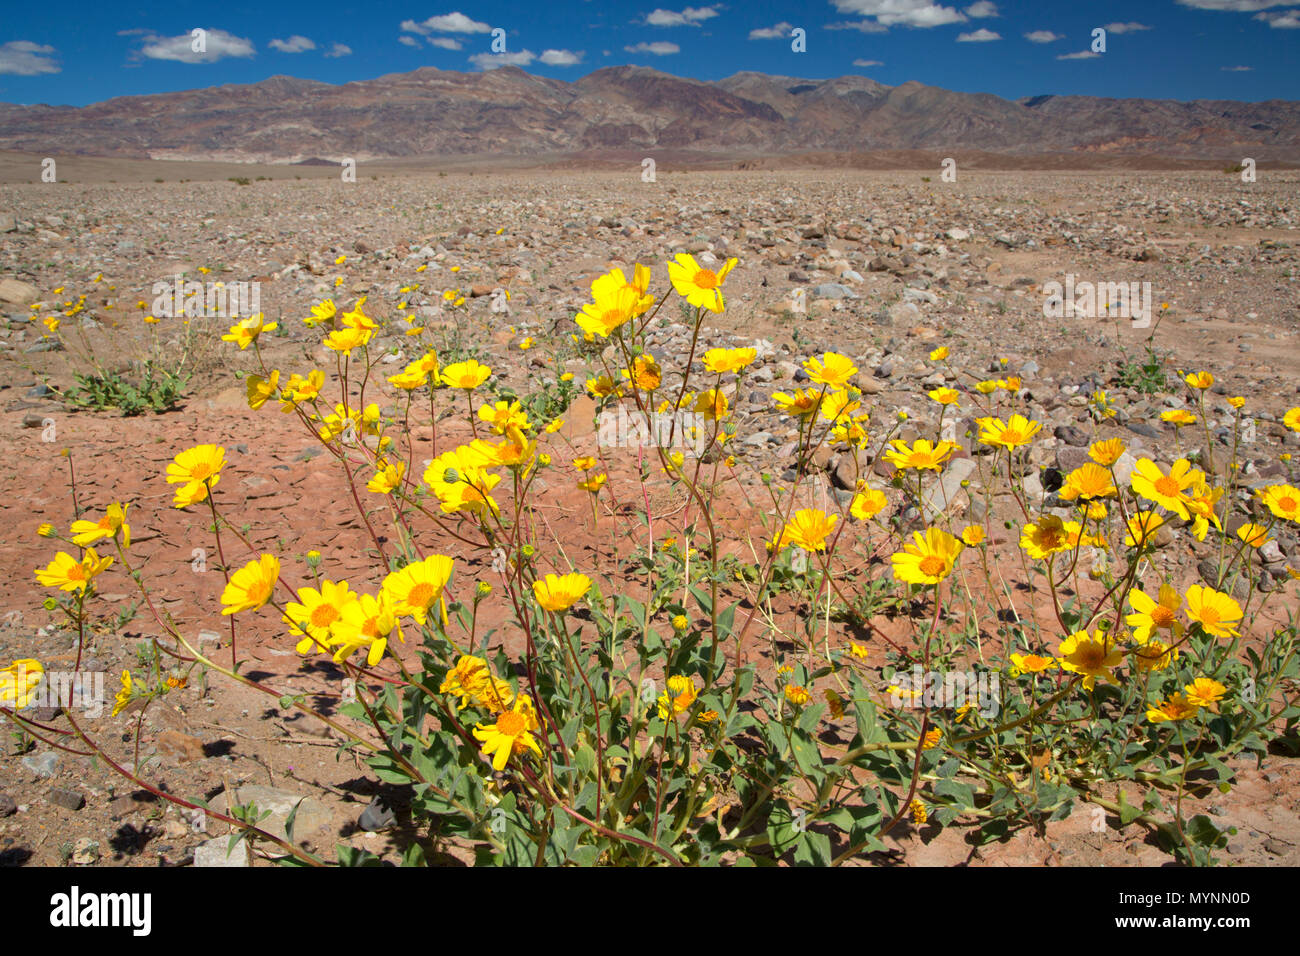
773 32
339 49
218 45
1234 6
911 13
979 36
658 48
25 58
1081 55
1043 36
295 44
560 57
445 43
690 17
1282 20
1236 69
1126 27
409 41
865 26
982 8
494 61
866 63
446 23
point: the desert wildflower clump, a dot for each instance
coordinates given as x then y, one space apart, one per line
687 688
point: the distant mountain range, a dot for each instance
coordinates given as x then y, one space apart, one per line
439 113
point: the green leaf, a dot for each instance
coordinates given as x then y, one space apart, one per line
584 759
813 849
962 794
289 821
350 856
414 856
1127 812
806 752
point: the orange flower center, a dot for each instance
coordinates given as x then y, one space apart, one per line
259 591
1091 656
1168 487
77 573
1287 504
1013 436
105 524
421 595
511 724
1209 616
1162 616
200 471
932 565
706 279
323 615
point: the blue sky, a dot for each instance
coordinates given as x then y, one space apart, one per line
1178 49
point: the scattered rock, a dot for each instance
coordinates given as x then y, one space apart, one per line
15 292
85 852
217 852
311 813
42 764
376 816
68 799
183 747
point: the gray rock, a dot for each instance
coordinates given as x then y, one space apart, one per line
1142 428
946 495
7 806
311 813
851 466
216 853
1071 435
68 799
376 816
1069 458
1270 553
833 290
1209 572
1123 469
43 764
904 312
